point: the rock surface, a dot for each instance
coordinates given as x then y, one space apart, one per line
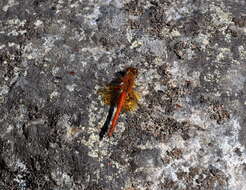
189 130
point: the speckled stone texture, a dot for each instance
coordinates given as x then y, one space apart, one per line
189 131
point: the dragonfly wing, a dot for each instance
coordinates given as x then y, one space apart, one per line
131 101
109 94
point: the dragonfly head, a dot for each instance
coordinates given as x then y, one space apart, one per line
132 70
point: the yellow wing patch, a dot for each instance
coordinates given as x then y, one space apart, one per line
111 93
131 101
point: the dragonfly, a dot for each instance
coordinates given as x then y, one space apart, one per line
121 95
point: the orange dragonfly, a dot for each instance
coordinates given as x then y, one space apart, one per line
123 95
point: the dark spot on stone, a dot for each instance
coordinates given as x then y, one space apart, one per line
175 153
168 184
240 21
219 113
76 118
238 151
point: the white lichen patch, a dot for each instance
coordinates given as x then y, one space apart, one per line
160 87
14 27
149 45
158 61
75 4
61 178
179 72
197 152
20 166
97 149
234 80
78 35
16 33
55 70
71 132
2 46
202 40
147 77
30 52
49 42
9 4
210 143
220 18
71 87
7 131
175 33
129 35
36 51
242 52
21 174
54 94
136 44
91 18
118 20
16 22
234 163
38 23
214 76
4 90
96 52
175 13
193 116
223 53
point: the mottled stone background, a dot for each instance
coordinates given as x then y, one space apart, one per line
189 132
